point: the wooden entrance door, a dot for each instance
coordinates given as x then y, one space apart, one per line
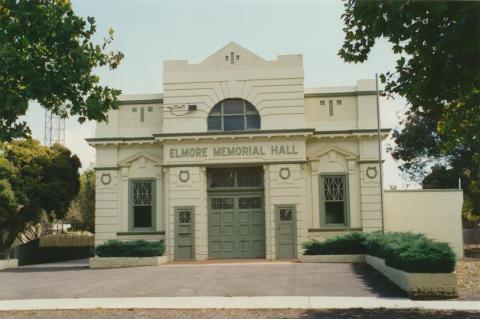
236 226
285 219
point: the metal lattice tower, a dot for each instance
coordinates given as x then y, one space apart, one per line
54 129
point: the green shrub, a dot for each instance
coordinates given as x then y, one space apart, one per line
389 244
405 251
351 243
134 248
424 256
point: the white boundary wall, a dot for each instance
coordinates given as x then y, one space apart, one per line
435 213
120 262
417 285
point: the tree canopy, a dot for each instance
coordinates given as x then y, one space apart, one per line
47 55
438 72
34 180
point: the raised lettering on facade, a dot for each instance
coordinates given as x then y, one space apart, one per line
232 151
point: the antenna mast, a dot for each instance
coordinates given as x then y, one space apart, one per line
54 129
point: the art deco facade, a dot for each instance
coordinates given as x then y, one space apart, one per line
237 159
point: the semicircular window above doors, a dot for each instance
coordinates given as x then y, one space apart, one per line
233 115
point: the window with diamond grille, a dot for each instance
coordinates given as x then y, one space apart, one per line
142 201
222 203
334 195
184 217
285 214
250 202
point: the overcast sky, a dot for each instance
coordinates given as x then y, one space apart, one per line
149 32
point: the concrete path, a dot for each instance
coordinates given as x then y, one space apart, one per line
249 279
264 302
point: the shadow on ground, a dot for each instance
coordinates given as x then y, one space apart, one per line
376 282
43 269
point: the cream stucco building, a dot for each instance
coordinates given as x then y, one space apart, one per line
237 159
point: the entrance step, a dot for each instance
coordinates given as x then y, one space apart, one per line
255 261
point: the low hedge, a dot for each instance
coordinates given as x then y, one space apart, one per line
134 248
405 251
349 244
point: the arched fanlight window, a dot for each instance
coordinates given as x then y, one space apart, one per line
233 115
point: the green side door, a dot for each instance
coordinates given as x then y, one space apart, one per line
184 233
285 219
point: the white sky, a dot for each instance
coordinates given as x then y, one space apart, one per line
149 32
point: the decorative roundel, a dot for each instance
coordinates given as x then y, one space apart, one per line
371 172
184 176
106 178
284 173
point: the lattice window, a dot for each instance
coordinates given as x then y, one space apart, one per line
142 193
333 188
184 217
142 202
335 200
249 202
222 203
285 214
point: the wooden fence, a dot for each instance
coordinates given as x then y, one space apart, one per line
471 238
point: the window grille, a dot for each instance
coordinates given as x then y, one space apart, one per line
334 194
184 217
142 203
222 203
250 202
285 214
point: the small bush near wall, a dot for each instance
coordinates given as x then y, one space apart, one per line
352 243
134 248
405 251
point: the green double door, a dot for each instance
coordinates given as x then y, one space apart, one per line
236 225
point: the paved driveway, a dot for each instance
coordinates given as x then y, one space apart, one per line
250 279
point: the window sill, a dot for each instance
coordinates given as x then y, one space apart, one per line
333 229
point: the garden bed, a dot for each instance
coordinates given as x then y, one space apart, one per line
135 253
120 262
419 266
417 285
